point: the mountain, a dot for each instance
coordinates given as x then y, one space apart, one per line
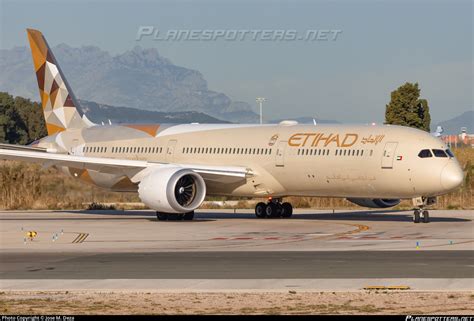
103 113
307 120
139 78
453 126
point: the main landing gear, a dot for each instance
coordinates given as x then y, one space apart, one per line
273 209
174 216
419 213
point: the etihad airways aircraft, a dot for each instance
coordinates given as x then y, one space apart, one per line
174 167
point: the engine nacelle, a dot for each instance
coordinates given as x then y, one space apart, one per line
172 190
374 202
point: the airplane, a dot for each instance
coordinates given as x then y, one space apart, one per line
174 167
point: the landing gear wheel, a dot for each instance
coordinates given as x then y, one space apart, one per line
416 216
426 216
188 216
279 212
162 216
260 210
287 209
271 210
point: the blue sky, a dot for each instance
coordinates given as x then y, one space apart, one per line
382 45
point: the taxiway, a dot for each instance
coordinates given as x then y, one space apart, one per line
222 249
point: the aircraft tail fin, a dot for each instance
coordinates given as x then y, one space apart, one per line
57 99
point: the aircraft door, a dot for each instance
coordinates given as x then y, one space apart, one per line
389 154
170 150
280 153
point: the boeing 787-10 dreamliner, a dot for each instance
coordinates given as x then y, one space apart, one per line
174 167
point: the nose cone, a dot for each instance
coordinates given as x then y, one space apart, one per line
451 176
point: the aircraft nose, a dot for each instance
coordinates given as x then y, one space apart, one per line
451 176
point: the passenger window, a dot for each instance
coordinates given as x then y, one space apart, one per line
425 153
439 153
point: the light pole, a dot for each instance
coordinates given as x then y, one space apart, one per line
260 101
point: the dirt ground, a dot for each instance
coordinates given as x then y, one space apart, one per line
373 302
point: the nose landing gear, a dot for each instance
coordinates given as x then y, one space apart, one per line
273 209
420 214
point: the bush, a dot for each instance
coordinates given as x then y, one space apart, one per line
101 207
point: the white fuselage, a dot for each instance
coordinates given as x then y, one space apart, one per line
306 160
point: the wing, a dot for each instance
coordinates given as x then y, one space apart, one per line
134 169
22 147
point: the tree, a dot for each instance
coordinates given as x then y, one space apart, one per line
21 121
407 109
31 114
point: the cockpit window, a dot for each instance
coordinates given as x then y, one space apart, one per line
425 153
450 153
439 153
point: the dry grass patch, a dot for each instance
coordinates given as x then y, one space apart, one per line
236 303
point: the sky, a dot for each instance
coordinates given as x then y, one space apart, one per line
380 46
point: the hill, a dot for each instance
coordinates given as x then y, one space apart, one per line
453 126
307 120
103 113
22 121
138 78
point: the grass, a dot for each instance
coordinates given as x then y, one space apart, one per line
249 303
28 186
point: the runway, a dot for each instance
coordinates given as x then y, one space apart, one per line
221 249
239 265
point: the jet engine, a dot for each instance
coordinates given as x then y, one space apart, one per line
172 190
374 202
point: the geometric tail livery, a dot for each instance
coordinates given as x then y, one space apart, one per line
57 99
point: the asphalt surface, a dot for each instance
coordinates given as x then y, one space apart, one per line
223 250
239 265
